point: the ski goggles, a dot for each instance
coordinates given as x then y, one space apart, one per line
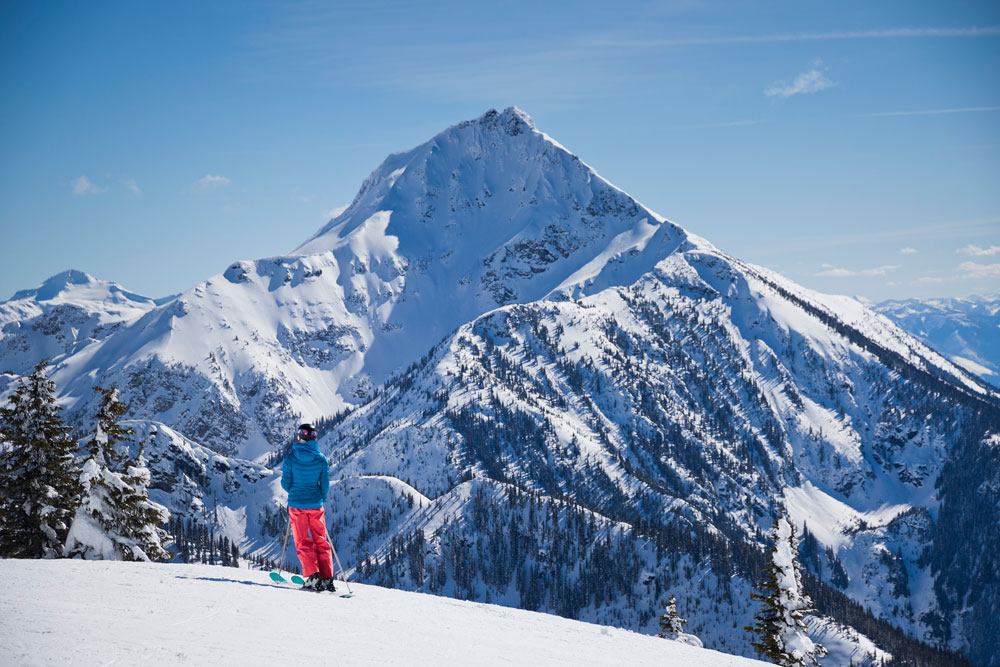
307 433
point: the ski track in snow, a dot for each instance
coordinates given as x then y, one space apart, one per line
112 613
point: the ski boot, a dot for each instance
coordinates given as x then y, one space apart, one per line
326 585
312 582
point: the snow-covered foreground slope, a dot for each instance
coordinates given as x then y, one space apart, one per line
102 613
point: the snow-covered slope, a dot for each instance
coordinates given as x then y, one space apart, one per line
231 363
967 331
94 613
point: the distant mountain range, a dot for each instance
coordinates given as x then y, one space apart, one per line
538 392
967 331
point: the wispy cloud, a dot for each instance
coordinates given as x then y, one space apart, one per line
966 271
810 81
82 186
888 33
211 182
132 186
908 251
926 112
975 270
708 126
834 272
976 251
334 212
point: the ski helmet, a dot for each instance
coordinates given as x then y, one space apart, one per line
307 432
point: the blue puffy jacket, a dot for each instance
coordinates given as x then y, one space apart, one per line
305 475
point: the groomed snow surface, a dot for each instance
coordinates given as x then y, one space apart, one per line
73 612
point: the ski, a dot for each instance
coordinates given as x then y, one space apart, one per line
297 581
348 594
338 594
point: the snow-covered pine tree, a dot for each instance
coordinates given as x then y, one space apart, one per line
39 490
109 433
143 517
779 626
115 520
671 624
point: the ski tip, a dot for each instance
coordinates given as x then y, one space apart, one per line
296 579
276 577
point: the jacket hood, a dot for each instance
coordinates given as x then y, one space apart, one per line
306 451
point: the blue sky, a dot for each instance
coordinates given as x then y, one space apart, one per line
853 146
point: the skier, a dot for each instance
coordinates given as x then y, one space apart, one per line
306 478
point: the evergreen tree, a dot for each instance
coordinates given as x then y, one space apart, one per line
143 517
109 432
671 625
779 626
38 475
115 520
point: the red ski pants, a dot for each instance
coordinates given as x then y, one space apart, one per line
309 532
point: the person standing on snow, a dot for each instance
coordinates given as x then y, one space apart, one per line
305 476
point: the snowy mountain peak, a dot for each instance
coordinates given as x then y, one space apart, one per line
499 161
79 288
490 211
57 284
73 285
511 121
65 313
